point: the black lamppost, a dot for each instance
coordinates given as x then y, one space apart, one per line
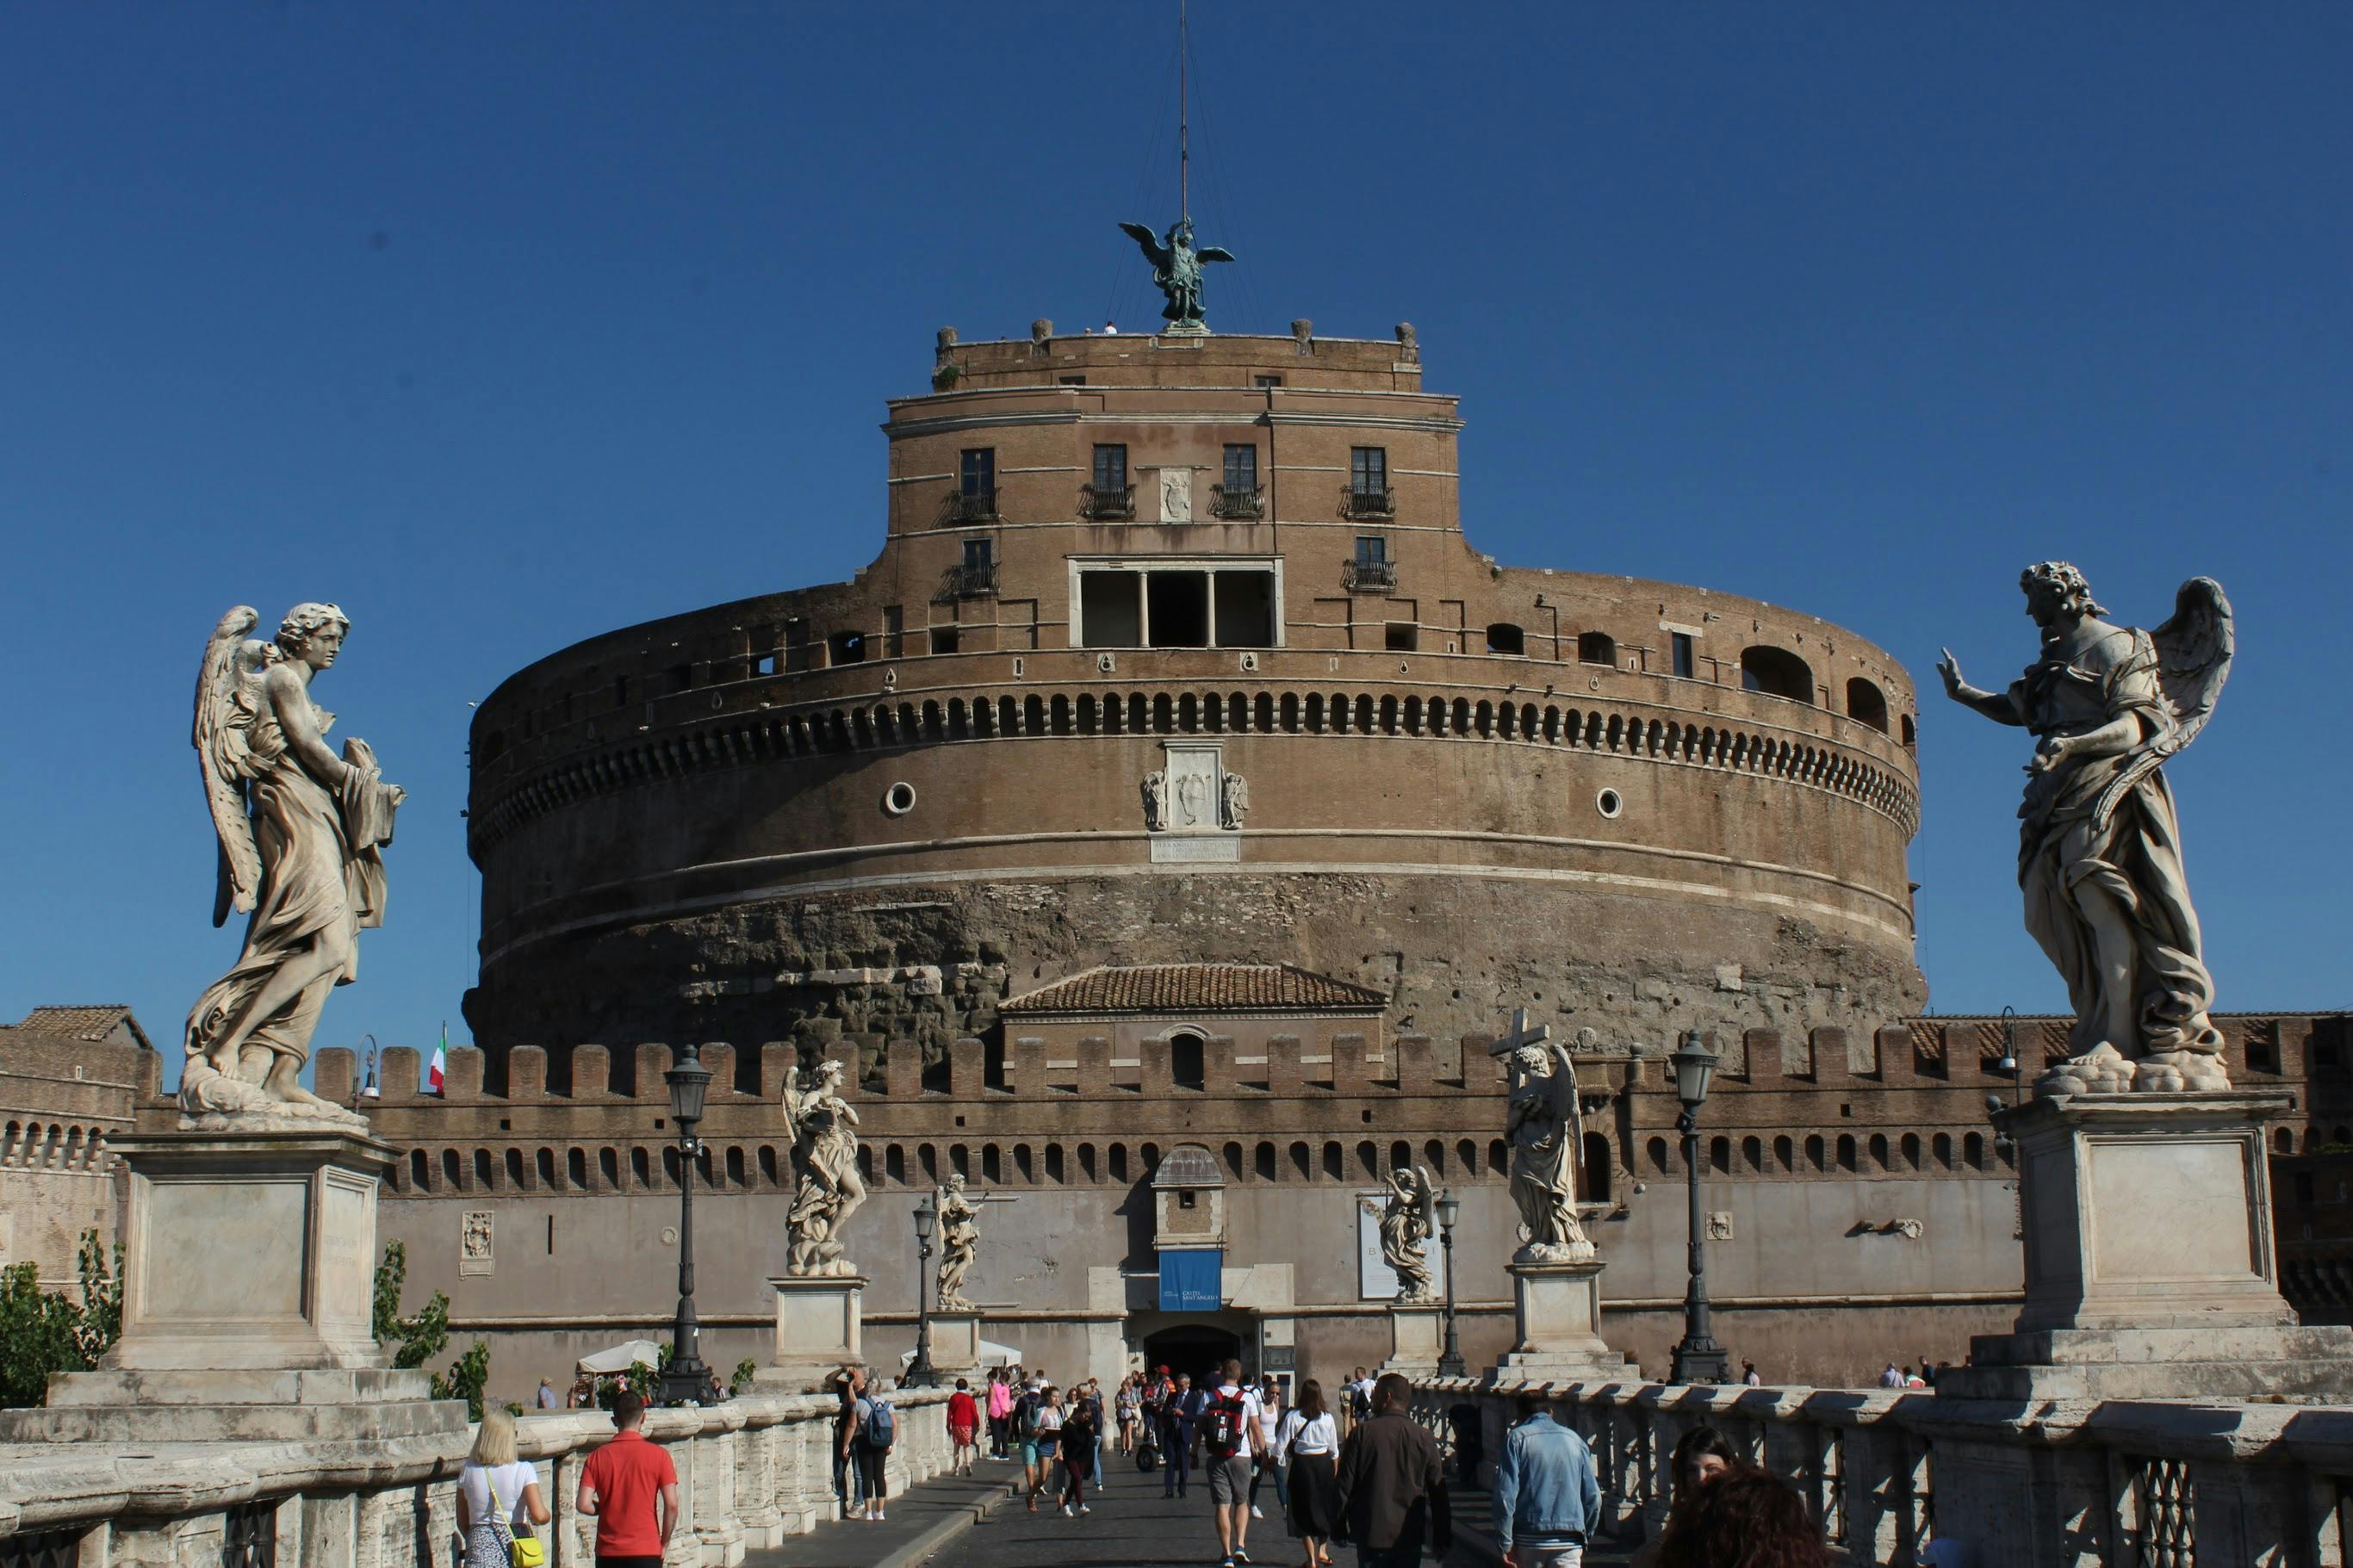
2009 1063
686 1379
921 1373
1697 1358
1447 1206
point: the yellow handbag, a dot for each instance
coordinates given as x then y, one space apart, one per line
523 1550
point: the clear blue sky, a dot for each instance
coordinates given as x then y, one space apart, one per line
505 325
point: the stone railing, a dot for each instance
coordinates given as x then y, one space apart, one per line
2119 1484
751 1472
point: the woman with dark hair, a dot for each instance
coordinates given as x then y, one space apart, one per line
1703 1456
1307 1447
1746 1519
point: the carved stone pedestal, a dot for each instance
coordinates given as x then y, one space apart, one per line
955 1346
821 1328
1557 1308
2150 1268
1417 1338
248 1290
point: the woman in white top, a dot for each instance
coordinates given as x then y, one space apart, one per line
1049 1440
1307 1445
495 1488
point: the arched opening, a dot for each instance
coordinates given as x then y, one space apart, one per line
1909 734
1657 1150
895 1165
992 1164
1866 704
1466 1156
1879 1151
1499 1158
1846 1152
1593 1176
1336 1162
1055 1170
1196 1349
1777 672
1115 1161
545 1161
483 1182
1814 1152
1025 1164
1188 1061
1505 636
1973 1151
1752 1153
1368 1160
1595 648
1719 1156
419 1171
609 1169
1262 1162
1303 1162
641 1170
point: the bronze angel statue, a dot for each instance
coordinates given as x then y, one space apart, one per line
1409 1219
827 1187
2099 852
301 832
1177 269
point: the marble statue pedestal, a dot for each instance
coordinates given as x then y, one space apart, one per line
1417 1338
821 1328
955 1344
1558 1310
249 1271
2149 1267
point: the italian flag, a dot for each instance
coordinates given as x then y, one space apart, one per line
440 1062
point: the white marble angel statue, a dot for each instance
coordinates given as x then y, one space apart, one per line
959 1243
827 1188
2099 853
301 832
1409 1219
1544 1126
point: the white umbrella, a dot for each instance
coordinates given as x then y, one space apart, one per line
621 1357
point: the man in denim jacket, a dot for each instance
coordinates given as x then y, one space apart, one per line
1546 1501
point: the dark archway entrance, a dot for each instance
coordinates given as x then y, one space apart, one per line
1200 1349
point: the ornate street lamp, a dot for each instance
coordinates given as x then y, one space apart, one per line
2011 1065
1447 1206
921 1373
686 1381
1697 1358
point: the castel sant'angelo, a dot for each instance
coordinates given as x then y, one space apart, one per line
1158 831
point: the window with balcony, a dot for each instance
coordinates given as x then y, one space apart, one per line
1109 495
976 575
1368 482
975 496
1369 570
1238 495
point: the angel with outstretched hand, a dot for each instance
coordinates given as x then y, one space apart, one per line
301 831
2099 843
1409 1219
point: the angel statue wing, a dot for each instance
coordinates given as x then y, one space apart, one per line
2193 659
1575 1102
1213 253
1153 251
1425 1201
794 1108
227 700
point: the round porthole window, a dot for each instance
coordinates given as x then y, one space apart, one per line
900 799
1608 804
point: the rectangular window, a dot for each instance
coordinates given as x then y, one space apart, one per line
1680 643
1074 380
978 555
1368 470
1177 604
1110 608
1263 382
943 639
1372 550
1402 637
1241 470
763 663
847 648
1110 467
980 470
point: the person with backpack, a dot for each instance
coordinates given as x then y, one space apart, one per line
1229 1440
877 1429
1178 1411
1021 1420
1082 1440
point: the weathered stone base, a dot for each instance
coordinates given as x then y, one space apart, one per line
2156 1364
821 1328
1417 1338
333 1406
1557 1312
955 1344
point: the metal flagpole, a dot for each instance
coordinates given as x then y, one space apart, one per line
1184 126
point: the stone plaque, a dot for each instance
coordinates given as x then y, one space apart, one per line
1196 786
1169 850
474 1243
193 1228
2198 1232
1175 495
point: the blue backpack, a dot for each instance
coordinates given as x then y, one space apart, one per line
882 1425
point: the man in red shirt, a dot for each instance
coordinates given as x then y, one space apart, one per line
619 1487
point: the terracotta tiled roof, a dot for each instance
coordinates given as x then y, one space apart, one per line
83 1022
1194 988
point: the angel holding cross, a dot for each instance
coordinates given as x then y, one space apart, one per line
1544 1127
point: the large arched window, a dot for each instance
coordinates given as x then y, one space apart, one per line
1777 672
1866 704
1504 636
1595 648
1188 1061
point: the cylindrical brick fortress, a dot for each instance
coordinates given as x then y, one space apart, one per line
877 807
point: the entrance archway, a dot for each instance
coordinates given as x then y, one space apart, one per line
1200 1349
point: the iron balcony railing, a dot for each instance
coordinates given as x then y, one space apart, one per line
1106 503
979 506
972 580
1368 577
1360 500
1237 502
